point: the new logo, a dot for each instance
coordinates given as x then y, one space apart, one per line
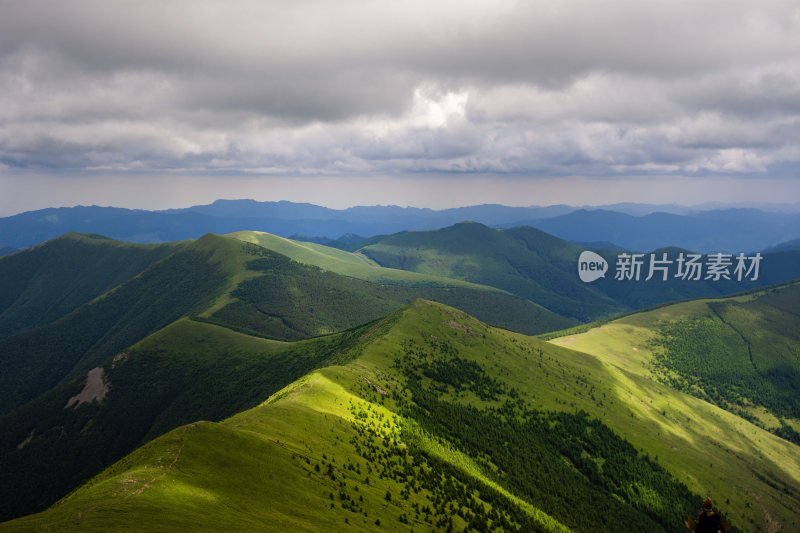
688 266
591 266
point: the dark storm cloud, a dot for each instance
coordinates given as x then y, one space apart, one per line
553 87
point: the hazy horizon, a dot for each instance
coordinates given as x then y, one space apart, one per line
630 207
152 105
30 192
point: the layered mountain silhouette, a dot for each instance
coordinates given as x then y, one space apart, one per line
217 382
428 418
630 226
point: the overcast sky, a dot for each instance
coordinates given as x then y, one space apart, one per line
156 104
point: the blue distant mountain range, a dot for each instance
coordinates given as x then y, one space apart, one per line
729 230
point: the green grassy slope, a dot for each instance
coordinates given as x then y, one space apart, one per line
237 284
438 420
542 268
209 277
523 261
292 301
183 283
347 263
740 353
42 284
185 372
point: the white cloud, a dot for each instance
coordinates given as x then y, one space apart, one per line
552 87
732 160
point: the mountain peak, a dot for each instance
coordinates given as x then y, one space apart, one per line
432 318
76 235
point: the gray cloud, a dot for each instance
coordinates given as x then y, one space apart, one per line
552 88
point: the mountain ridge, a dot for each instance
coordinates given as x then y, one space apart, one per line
201 370
45 282
541 267
731 230
708 229
368 403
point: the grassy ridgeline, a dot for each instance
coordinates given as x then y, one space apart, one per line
292 301
742 355
192 371
239 280
186 372
239 284
43 283
434 419
183 283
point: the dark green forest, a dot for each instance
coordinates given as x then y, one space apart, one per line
566 464
46 282
35 361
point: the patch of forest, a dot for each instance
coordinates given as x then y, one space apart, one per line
566 464
708 358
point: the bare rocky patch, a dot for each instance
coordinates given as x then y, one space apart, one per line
377 387
119 359
459 326
95 389
27 440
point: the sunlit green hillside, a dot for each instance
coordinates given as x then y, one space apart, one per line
736 361
218 280
225 280
185 372
430 419
740 353
347 263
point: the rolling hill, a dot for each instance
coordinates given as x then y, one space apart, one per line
739 353
44 283
222 280
185 282
200 335
711 231
185 372
350 264
633 226
292 301
523 261
542 268
216 280
430 419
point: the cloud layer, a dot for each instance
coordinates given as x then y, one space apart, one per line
543 88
